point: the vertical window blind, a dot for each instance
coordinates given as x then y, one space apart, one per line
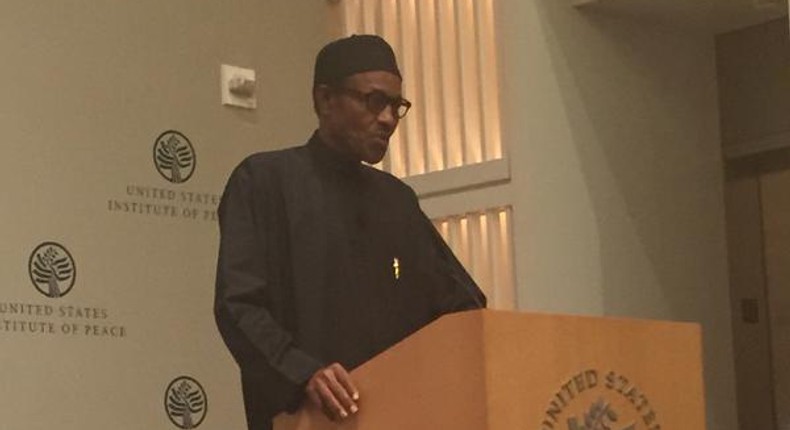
482 242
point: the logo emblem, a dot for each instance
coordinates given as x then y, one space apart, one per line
174 156
185 402
601 416
595 400
52 269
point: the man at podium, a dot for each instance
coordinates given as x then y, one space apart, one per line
324 261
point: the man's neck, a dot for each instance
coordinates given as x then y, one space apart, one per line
332 143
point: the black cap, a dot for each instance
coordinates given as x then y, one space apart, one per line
354 54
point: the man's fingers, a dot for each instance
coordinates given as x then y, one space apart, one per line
330 402
345 380
332 389
322 397
313 395
340 392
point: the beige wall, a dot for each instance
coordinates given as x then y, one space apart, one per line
87 87
751 340
776 228
612 128
757 219
754 64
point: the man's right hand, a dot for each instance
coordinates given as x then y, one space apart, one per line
332 390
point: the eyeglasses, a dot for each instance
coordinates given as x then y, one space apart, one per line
376 101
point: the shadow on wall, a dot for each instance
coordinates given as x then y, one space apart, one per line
641 106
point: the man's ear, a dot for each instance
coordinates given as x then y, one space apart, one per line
322 99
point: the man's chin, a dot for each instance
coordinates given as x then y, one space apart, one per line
375 154
373 159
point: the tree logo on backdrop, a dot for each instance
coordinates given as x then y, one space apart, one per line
185 402
174 156
52 269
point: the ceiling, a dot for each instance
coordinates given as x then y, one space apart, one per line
714 16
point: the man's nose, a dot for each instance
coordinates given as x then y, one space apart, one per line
387 116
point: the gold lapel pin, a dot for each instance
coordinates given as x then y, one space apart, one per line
396 268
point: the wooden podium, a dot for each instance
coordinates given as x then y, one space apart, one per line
499 370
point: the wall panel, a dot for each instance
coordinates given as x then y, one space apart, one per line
89 87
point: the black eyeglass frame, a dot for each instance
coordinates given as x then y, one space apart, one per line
376 101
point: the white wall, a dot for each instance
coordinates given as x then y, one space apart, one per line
612 128
87 87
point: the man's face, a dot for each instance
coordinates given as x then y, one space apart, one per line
358 131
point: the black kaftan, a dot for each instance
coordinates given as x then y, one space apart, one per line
306 272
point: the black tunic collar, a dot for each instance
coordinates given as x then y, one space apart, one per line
328 157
